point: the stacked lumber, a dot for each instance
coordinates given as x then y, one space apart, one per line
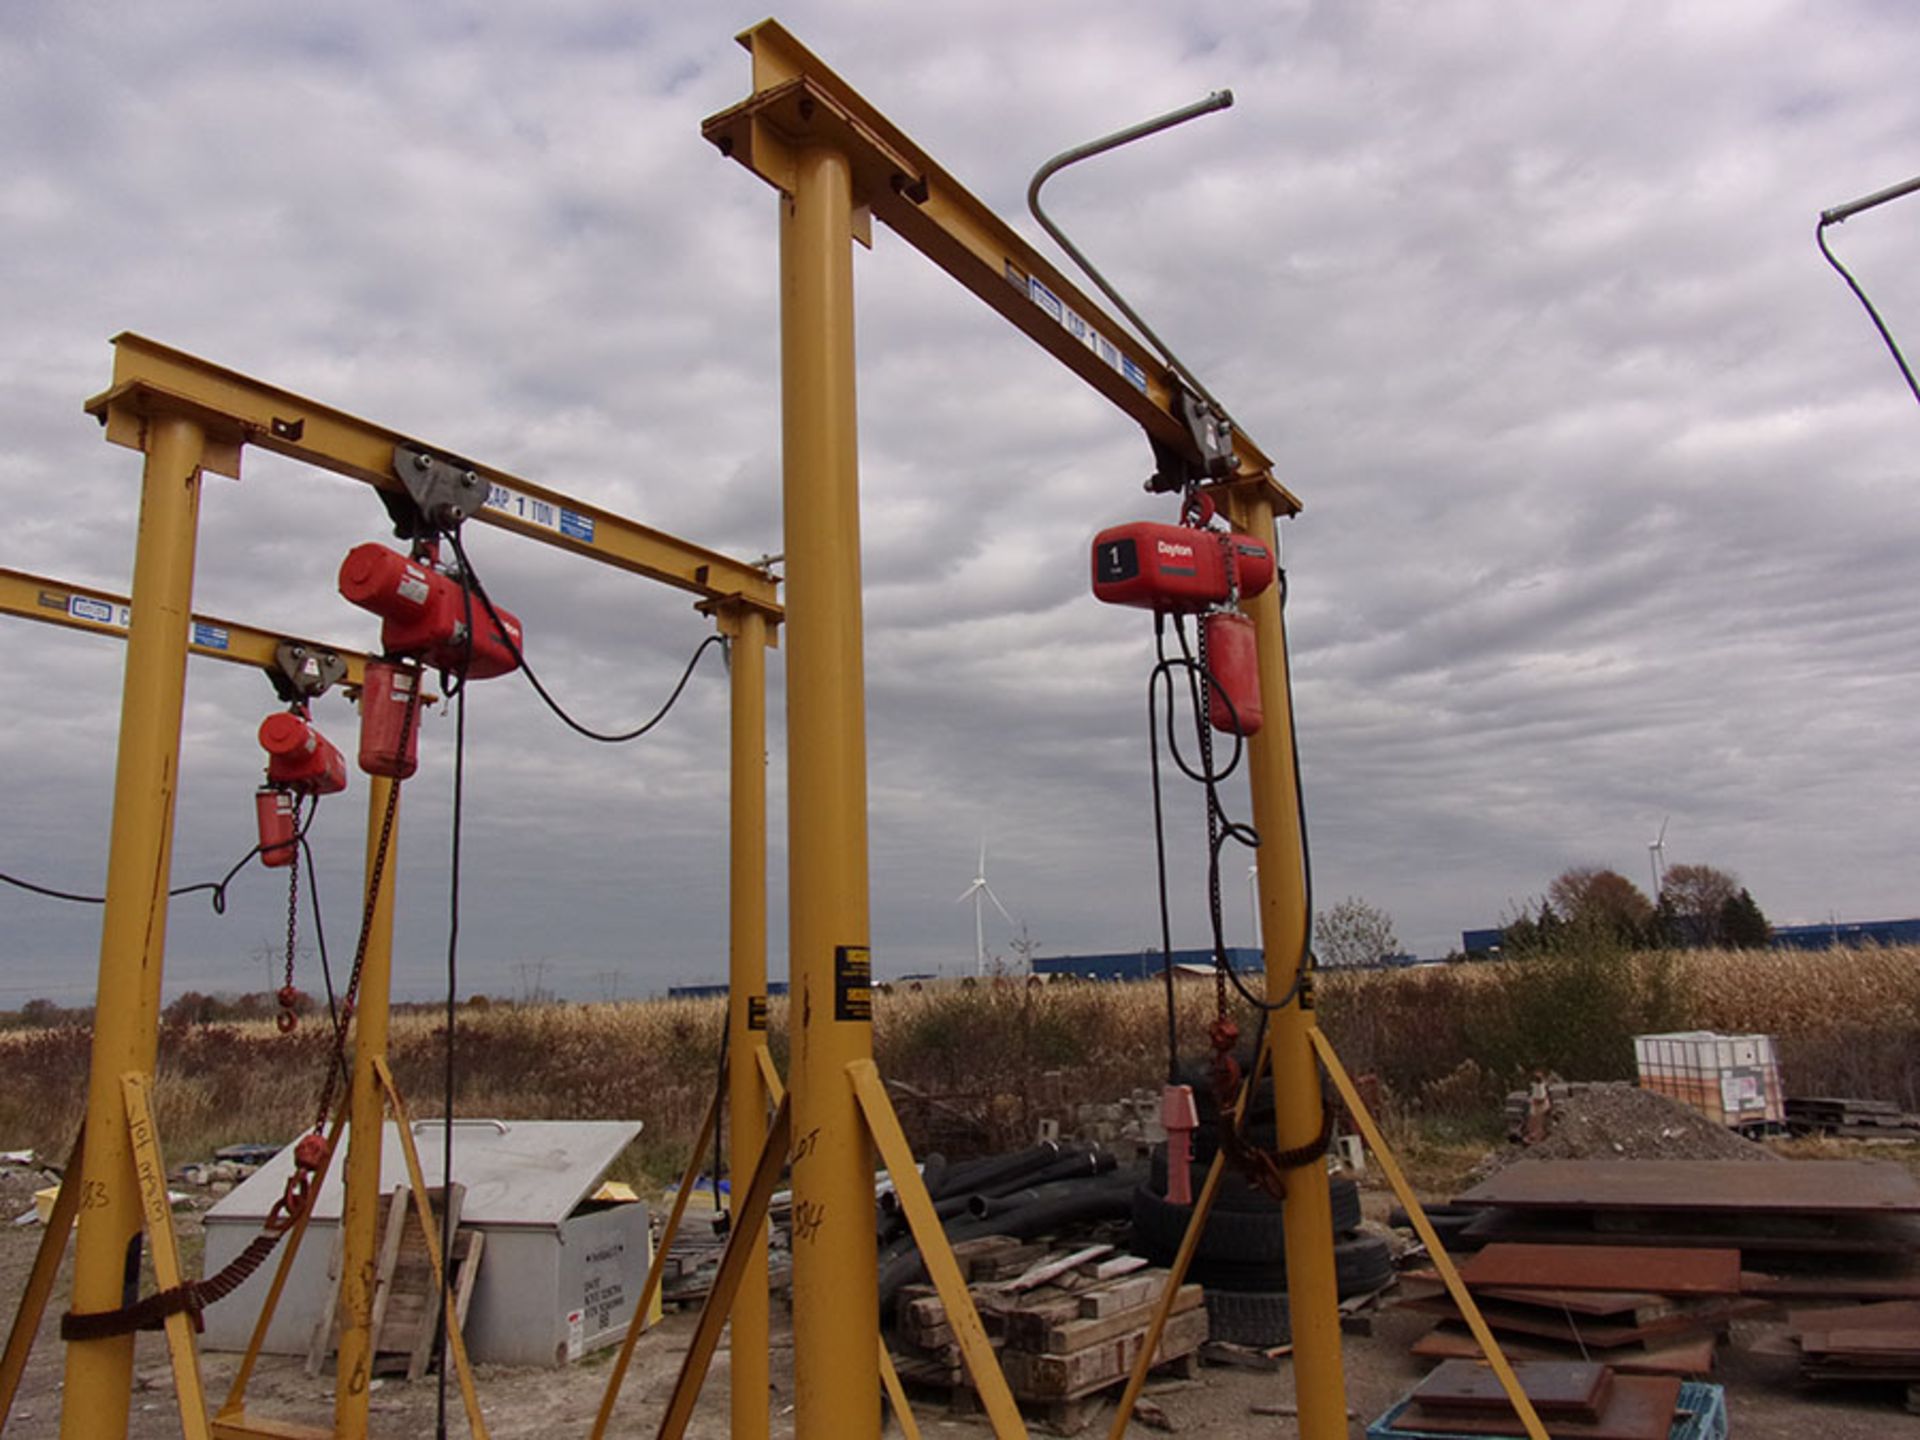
1642 1310
1861 1344
1067 1327
1571 1399
1850 1118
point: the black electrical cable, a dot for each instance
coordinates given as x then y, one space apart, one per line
319 925
1221 827
217 887
453 972
1820 239
604 737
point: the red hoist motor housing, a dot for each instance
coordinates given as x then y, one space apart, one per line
1185 570
299 757
390 720
1177 569
423 613
300 761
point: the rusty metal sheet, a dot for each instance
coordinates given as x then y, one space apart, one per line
1793 1187
1890 1235
1638 1407
1689 1357
1556 1387
1658 1269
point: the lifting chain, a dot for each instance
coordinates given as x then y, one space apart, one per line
289 997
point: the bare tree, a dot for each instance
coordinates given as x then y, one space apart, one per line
1353 932
1695 897
1591 896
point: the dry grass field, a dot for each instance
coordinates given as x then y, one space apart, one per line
986 1062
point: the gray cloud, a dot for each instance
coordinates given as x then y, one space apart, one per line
1608 481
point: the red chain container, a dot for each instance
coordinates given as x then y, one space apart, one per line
299 757
274 810
423 613
1233 659
390 720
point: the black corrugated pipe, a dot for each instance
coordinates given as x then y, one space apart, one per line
994 1169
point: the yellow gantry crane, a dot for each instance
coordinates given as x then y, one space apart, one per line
188 416
836 163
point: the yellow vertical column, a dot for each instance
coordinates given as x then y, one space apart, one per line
360 1210
99 1373
835 1272
1312 1293
747 1001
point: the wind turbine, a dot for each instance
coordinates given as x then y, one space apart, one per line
1657 857
978 891
1253 901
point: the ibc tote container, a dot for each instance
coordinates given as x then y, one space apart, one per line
1732 1079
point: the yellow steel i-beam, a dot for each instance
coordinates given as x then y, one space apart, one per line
99 1373
360 1210
835 1266
101 612
1313 1300
747 997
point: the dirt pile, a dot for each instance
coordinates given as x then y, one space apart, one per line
1624 1122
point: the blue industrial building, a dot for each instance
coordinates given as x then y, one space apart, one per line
1846 934
1142 964
1835 935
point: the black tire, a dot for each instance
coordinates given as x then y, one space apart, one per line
1249 1317
1237 1192
1361 1265
1248 1236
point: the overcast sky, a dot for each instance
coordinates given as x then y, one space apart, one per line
1609 485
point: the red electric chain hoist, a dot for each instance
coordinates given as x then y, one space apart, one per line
1193 569
300 762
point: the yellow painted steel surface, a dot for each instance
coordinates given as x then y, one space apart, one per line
153 380
747 1000
836 1390
750 1212
1312 1290
799 101
99 1373
617 1376
976 1350
1436 1251
430 1231
83 607
361 1207
157 1210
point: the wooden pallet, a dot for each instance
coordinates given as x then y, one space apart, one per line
404 1322
1067 1330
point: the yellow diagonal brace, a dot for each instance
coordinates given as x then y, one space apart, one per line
46 1266
1456 1287
151 1171
617 1377
975 1349
476 1426
234 1406
889 1377
749 1211
776 1092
